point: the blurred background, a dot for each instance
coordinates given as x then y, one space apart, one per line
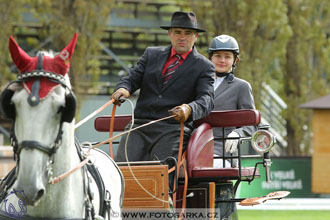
284 51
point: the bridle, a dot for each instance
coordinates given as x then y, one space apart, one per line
18 147
50 151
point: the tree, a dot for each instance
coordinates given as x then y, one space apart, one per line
9 14
261 37
283 43
89 18
306 72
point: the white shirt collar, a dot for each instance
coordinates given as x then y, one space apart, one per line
217 82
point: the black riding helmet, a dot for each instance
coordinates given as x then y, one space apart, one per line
224 42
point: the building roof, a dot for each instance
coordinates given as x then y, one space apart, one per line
320 103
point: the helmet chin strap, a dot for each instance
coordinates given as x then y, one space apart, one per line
221 74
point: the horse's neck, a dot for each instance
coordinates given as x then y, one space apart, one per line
66 155
67 195
70 188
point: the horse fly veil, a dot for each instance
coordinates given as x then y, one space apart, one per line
39 75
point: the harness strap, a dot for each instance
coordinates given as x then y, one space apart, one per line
66 174
37 145
181 160
112 121
185 187
6 183
94 172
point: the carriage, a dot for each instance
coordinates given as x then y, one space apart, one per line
201 189
57 177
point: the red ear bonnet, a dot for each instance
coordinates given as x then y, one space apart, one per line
60 64
22 60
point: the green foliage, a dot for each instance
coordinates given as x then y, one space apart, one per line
60 20
88 18
306 72
262 38
283 43
9 13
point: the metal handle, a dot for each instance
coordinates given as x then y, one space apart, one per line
267 164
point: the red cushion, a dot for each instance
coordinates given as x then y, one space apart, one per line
102 123
232 118
200 148
229 173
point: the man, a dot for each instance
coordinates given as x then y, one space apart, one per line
175 79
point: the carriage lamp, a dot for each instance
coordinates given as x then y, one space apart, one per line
262 141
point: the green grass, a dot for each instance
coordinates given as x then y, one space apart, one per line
283 214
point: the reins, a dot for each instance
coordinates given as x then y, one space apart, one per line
85 161
181 161
66 174
128 131
112 122
109 140
181 156
126 156
93 114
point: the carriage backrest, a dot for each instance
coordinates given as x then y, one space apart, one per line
102 123
231 118
200 146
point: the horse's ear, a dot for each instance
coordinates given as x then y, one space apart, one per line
66 54
19 56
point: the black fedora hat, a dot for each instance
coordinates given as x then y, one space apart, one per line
183 20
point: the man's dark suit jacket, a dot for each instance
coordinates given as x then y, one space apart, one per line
192 84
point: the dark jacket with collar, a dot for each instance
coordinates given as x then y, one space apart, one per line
233 94
192 84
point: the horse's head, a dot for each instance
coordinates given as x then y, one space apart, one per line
38 102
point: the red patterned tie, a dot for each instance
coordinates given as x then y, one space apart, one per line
171 69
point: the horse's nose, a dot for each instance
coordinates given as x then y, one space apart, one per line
39 194
29 194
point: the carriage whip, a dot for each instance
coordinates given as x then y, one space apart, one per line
94 113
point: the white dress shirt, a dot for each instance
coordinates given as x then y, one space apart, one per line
217 81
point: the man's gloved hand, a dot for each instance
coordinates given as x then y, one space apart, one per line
181 112
121 92
231 144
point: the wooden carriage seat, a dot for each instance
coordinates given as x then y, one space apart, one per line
199 154
154 178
